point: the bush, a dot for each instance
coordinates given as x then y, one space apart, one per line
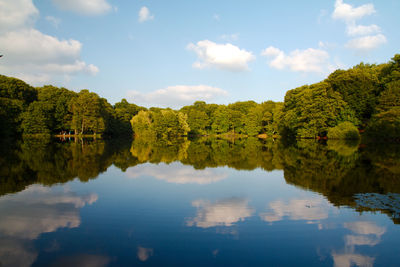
344 130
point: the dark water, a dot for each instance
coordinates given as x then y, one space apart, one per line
199 203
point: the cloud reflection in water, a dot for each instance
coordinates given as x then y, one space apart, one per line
177 173
224 212
34 211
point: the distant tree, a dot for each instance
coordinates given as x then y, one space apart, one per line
385 124
37 118
87 113
220 118
253 121
15 97
358 87
124 111
58 101
310 110
142 124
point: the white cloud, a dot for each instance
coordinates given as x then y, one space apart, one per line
221 56
86 7
349 13
225 212
366 43
32 55
144 14
354 30
177 173
17 14
53 21
309 60
179 95
312 209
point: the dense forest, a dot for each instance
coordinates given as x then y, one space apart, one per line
365 98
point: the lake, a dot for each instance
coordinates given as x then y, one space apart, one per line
203 202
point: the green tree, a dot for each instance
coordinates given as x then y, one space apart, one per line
124 111
142 124
310 110
88 115
15 97
36 119
359 87
253 121
220 122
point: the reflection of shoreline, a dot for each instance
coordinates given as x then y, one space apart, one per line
177 173
335 170
32 212
386 203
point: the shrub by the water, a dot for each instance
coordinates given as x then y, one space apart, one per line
344 130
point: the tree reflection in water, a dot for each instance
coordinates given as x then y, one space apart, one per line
347 174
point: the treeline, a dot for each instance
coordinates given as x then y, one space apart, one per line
246 118
52 110
364 98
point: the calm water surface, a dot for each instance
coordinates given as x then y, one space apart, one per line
199 203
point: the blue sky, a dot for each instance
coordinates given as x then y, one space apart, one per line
171 53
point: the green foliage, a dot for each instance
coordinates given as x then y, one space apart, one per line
124 111
37 118
344 130
13 88
142 124
88 114
58 101
309 111
220 122
15 97
385 124
253 123
359 88
160 123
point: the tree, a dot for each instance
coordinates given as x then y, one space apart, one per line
220 122
58 101
310 110
253 123
15 97
37 119
359 87
124 111
142 124
385 124
88 116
